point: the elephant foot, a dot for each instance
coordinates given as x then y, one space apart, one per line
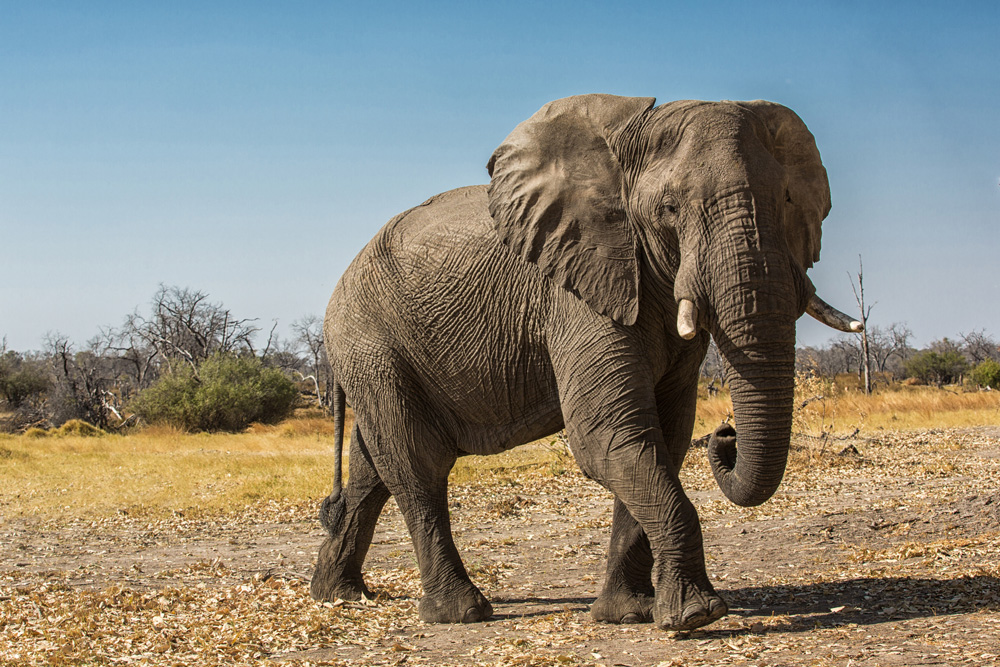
622 607
472 607
687 606
324 588
330 581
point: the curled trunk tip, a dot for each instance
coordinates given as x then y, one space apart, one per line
723 458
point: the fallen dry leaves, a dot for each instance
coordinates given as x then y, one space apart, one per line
881 550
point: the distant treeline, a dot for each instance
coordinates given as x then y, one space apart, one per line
972 357
192 363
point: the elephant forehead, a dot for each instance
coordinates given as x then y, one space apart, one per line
697 169
702 150
690 120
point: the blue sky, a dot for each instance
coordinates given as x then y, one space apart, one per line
250 150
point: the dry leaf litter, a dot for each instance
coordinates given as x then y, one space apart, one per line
882 551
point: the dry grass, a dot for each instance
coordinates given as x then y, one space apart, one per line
74 471
161 470
825 407
550 455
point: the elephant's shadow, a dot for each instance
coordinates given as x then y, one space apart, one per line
862 601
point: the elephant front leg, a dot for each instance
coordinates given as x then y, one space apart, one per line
671 558
618 439
638 474
684 597
627 596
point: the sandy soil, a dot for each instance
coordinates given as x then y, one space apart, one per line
883 550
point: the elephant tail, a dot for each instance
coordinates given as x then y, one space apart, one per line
331 512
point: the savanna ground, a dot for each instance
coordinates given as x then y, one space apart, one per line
882 547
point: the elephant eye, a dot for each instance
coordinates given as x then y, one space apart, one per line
671 209
788 198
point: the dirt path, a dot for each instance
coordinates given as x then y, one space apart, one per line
885 554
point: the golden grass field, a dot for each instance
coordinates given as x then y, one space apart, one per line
159 470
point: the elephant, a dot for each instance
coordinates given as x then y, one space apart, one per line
579 290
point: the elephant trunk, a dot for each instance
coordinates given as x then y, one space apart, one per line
753 297
762 394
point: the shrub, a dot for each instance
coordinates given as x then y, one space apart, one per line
20 380
937 367
987 374
227 394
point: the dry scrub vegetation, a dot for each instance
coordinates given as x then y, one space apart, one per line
164 548
823 406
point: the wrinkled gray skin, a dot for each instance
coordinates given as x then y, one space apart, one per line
491 316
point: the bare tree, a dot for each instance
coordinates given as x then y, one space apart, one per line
83 382
272 341
859 296
847 353
900 334
978 346
889 348
136 355
712 367
879 348
184 325
285 354
309 335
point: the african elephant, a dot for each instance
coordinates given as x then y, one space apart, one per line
579 290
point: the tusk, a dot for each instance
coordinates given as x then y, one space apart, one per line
832 317
687 319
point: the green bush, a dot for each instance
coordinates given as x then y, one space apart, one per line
227 394
987 374
21 382
937 367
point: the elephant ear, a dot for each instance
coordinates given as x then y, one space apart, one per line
808 189
556 199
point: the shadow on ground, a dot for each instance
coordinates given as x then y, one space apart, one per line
864 601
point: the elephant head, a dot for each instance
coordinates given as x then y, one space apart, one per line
716 206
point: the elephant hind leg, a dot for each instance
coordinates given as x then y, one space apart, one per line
413 451
350 521
422 497
449 594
